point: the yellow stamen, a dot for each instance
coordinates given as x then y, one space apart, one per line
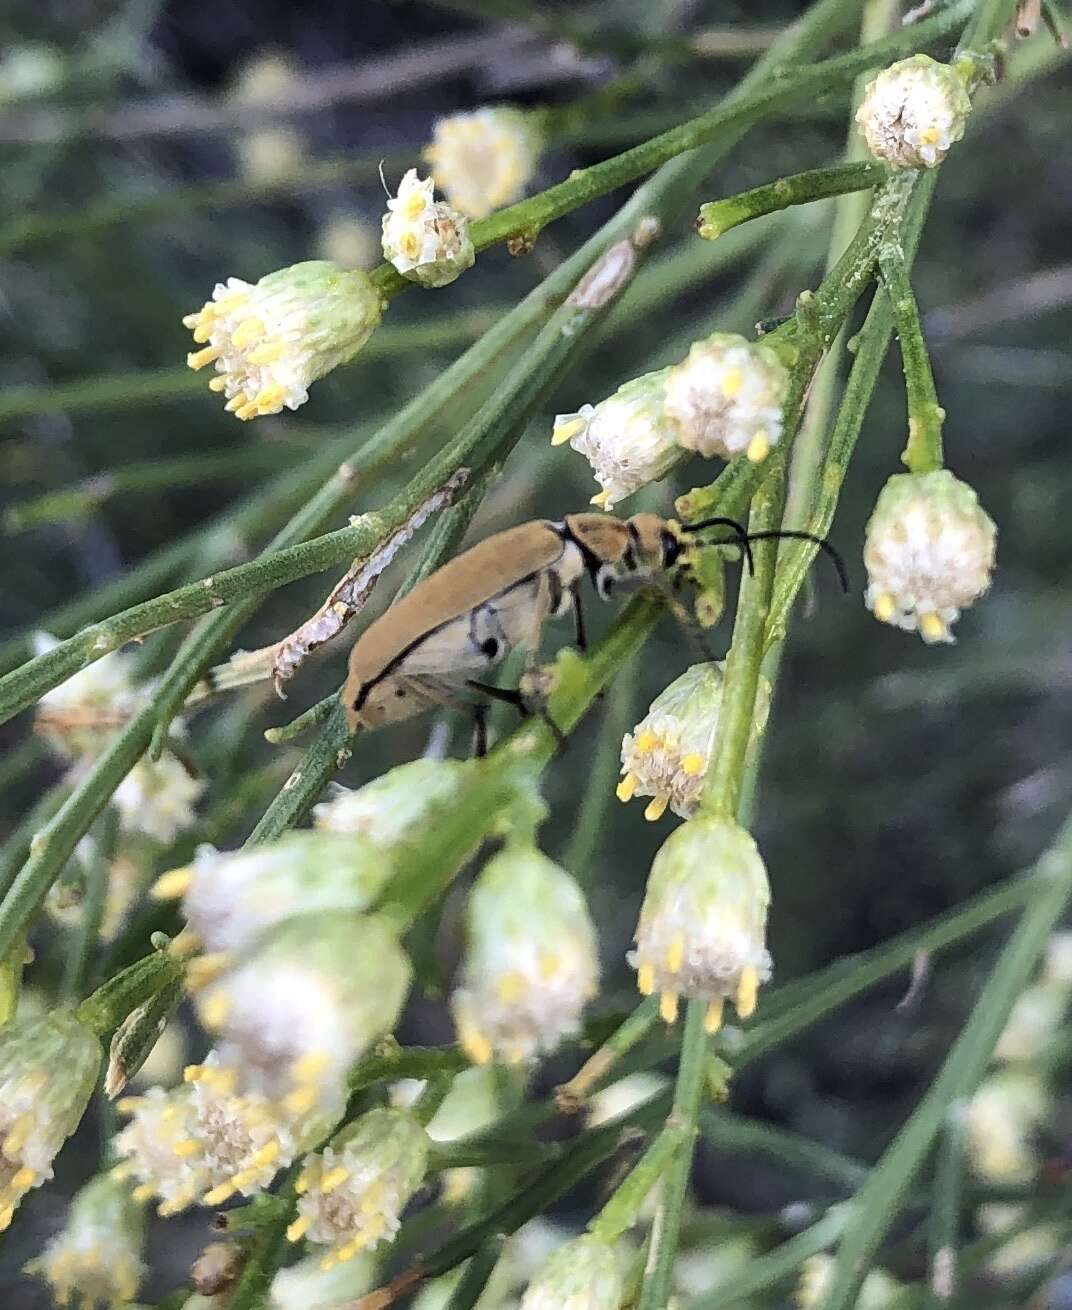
143 1192
476 1046
300 1101
310 1066
601 498
236 402
668 1006
23 1179
693 764
206 969
645 741
299 1228
884 608
645 979
173 884
18 1135
302 1185
188 1147
414 204
932 627
215 1011
732 382
246 333
713 1018
266 353
184 944
510 987
929 136
675 954
217 1195
625 789
758 447
6 1217
334 1178
564 432
268 1154
410 245
199 358
217 383
202 332
656 808
747 991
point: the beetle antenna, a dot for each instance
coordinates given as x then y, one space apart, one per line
741 537
824 545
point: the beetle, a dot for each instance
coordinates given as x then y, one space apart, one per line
495 597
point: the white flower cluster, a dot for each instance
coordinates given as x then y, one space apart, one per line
484 159
913 112
426 240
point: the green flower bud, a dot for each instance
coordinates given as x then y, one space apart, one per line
531 960
581 1275
307 1285
352 1193
484 159
97 1254
270 341
702 928
1003 1116
929 551
879 1291
725 398
913 112
426 240
393 807
626 438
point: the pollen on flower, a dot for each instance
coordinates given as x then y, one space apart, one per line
913 112
702 925
929 552
667 753
530 963
352 1194
484 159
626 438
725 398
269 341
425 239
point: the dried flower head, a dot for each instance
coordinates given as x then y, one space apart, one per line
48 1068
230 898
583 1274
305 1003
394 805
270 341
667 753
929 553
352 1193
702 928
157 798
530 963
1002 1119
484 159
913 112
725 398
426 240
97 1254
626 438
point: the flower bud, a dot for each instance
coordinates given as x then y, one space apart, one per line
1002 1119
929 552
484 159
531 959
157 798
426 240
1034 1023
48 1069
667 753
725 398
267 153
97 1254
307 1285
352 1193
702 928
394 805
272 340
626 438
1057 966
583 1274
879 1290
306 1003
231 898
913 112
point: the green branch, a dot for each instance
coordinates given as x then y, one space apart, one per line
923 453
720 216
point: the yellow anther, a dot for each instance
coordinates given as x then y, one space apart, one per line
248 331
297 1230
270 397
668 1006
350 1249
302 1184
884 608
300 1101
732 382
601 498
645 741
191 321
206 969
184 944
236 402
564 432
656 808
173 884
333 1179
217 1195
193 1073
675 954
758 447
266 353
747 991
310 1066
143 1192
510 987
414 205
202 332
268 1154
410 245
627 787
217 383
645 979
215 1010
550 963
6 1216
476 1046
693 764
223 1081
23 1179
713 1018
929 136
187 1148
932 627
199 358
329 1262
18 1135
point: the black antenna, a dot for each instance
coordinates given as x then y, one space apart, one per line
742 537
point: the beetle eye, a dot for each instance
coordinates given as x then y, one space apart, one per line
671 550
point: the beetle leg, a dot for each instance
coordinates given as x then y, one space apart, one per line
578 621
525 705
480 731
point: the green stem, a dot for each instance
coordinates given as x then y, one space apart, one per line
944 1234
621 1211
923 453
719 216
570 1097
478 1273
600 777
114 1000
880 1198
76 970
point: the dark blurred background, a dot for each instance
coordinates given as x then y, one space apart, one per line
150 149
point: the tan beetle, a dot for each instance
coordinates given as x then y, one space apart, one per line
496 597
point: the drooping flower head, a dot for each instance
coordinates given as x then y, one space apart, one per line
913 112
626 438
305 1003
583 1274
97 1253
48 1069
485 159
702 928
307 1285
929 551
394 805
667 753
271 340
157 798
530 961
425 239
725 398
352 1193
